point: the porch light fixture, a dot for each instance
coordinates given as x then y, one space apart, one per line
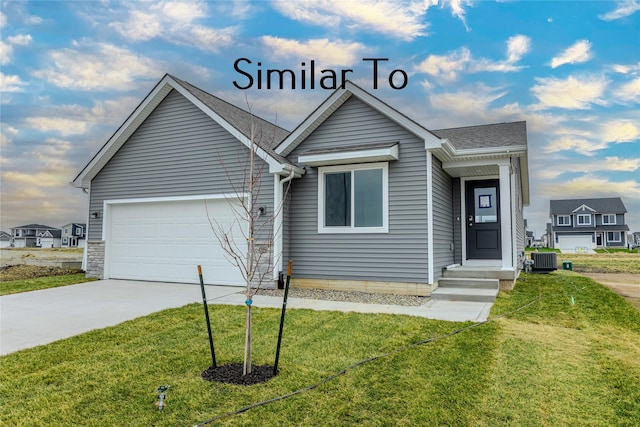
95 214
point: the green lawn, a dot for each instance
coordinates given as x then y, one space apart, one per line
570 358
26 285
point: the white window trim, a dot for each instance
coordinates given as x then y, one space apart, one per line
609 216
584 223
353 229
567 219
614 233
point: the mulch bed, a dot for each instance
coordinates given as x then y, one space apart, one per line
232 374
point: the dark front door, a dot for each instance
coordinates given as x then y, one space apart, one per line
483 219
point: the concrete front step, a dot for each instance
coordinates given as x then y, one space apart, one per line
468 283
479 273
464 294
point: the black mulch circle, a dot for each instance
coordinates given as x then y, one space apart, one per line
232 374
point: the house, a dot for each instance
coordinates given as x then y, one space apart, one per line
5 239
35 236
633 239
581 225
374 200
74 235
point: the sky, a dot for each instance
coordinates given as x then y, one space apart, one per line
72 72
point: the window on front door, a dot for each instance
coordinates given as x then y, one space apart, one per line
353 199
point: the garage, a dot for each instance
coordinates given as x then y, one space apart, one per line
574 243
165 240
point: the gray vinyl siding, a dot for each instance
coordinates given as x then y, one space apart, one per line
399 255
457 218
443 214
177 151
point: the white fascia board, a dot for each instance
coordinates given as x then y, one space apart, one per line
135 119
477 162
583 206
348 157
510 150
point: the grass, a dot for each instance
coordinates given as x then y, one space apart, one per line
615 262
556 362
622 250
26 285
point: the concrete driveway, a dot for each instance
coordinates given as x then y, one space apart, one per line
34 318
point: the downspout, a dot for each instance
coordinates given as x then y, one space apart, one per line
279 223
431 277
86 240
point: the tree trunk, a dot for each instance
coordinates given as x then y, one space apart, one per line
247 344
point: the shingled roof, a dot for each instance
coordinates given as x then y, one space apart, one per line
602 205
513 134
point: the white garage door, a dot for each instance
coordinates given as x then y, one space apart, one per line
574 243
166 241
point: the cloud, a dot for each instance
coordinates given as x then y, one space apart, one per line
580 51
99 67
570 93
67 120
6 50
175 22
625 69
448 67
620 131
10 83
457 10
590 186
397 19
20 39
584 146
623 9
325 51
466 102
629 91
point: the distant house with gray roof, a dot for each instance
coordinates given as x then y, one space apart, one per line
375 201
35 236
581 225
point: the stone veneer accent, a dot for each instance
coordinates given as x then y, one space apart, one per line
95 259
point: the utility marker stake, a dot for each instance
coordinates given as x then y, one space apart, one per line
206 316
284 309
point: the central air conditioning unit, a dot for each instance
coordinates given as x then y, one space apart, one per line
544 261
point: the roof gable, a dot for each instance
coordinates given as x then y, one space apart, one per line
238 122
339 97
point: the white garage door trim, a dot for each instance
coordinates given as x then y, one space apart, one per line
571 242
232 275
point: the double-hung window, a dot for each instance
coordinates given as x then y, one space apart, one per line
584 219
614 236
563 220
353 198
608 219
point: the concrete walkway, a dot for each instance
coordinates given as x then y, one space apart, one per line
35 318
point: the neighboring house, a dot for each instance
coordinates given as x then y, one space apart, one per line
376 200
581 225
633 239
529 239
74 235
5 239
35 236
